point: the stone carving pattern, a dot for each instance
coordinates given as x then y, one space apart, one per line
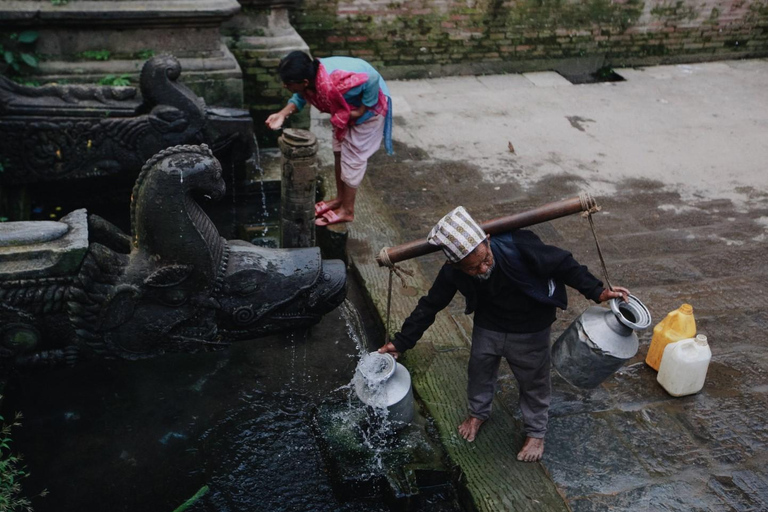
177 286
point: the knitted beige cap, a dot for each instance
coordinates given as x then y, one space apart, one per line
457 234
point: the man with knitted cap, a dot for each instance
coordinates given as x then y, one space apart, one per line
513 283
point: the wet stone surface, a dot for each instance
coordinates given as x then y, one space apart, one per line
628 445
743 490
663 270
669 497
662 445
585 456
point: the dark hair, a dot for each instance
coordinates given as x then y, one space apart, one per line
296 67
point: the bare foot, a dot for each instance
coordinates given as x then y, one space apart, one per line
469 427
334 217
532 450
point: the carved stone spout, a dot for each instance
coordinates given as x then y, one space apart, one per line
81 287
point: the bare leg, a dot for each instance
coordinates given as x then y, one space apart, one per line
344 205
333 204
347 209
532 450
469 428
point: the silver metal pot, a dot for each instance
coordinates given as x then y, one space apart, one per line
382 382
599 341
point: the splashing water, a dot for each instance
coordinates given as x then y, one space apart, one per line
258 151
369 420
354 323
262 175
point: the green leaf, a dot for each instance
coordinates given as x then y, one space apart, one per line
9 57
107 80
28 36
146 54
29 60
96 54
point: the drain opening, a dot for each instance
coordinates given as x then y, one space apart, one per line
604 74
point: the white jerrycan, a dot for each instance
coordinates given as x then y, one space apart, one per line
684 366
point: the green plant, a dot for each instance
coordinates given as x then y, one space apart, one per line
25 81
59 2
17 53
96 54
146 54
116 80
12 472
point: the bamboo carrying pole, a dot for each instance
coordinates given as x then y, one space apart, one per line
550 211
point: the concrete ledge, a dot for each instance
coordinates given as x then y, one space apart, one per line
126 11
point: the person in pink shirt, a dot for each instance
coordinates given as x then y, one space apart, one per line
356 96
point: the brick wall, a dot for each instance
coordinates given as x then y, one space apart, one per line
418 38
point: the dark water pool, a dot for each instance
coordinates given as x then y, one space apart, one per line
148 435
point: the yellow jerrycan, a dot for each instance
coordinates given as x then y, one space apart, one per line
677 325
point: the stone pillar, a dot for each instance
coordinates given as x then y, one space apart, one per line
297 198
259 36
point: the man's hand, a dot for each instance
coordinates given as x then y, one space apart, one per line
617 293
389 348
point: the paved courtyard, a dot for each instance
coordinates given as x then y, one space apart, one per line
676 157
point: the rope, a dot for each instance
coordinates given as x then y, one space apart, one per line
589 207
588 204
389 304
393 269
385 262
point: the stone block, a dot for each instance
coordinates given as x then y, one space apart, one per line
34 250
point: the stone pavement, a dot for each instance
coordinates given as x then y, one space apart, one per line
676 156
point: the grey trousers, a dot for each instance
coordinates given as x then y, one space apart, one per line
528 356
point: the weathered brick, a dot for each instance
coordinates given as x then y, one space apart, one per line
394 33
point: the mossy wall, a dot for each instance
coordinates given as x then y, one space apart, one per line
418 38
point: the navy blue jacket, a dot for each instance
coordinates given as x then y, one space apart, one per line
538 270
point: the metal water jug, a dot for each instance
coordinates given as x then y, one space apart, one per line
598 342
383 383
